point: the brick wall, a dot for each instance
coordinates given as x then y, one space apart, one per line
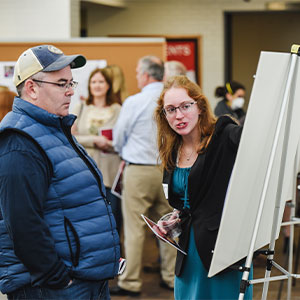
60 19
175 17
39 19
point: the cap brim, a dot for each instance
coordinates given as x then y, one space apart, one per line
75 61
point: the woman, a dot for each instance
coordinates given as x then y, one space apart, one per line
93 129
198 154
233 94
118 83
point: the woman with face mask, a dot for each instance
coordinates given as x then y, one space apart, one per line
233 94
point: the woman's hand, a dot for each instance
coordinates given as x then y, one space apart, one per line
175 215
159 231
165 226
101 142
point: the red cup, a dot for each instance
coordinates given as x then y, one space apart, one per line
107 133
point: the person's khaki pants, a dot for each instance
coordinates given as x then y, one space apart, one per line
143 194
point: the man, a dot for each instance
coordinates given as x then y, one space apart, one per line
58 235
135 140
174 68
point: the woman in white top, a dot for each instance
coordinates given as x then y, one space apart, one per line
96 118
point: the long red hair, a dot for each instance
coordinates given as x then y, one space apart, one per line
168 140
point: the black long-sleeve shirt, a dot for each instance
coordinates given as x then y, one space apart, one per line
25 174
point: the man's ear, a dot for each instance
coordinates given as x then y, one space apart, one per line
31 89
147 77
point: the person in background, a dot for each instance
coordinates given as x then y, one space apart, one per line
118 83
233 94
134 139
198 154
58 234
96 118
173 68
6 102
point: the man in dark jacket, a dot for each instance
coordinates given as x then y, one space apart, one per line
58 235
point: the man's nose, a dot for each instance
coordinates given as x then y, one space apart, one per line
70 91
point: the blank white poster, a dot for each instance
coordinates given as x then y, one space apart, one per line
248 176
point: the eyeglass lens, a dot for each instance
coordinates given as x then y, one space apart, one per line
184 107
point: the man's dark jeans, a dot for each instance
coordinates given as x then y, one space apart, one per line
79 290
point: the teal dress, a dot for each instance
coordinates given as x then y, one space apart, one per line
193 283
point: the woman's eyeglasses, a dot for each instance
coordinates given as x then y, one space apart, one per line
184 108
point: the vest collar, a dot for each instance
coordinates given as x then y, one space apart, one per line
40 115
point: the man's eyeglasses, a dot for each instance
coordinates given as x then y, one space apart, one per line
65 85
184 108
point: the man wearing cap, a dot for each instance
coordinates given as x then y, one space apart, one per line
58 237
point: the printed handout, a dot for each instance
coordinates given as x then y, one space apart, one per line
162 236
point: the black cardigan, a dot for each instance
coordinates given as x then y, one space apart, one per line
207 186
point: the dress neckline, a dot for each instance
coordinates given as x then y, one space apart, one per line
184 168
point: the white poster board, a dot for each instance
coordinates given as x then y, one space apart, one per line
247 180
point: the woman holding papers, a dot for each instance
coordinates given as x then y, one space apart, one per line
198 154
93 129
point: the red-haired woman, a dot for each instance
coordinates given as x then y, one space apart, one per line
198 154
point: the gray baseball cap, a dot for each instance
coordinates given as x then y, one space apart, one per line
46 58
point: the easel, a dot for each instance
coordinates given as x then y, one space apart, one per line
286 104
295 207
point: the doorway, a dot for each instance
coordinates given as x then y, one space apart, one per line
249 33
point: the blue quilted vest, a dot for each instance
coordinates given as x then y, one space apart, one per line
79 217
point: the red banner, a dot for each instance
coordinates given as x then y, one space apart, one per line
183 52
